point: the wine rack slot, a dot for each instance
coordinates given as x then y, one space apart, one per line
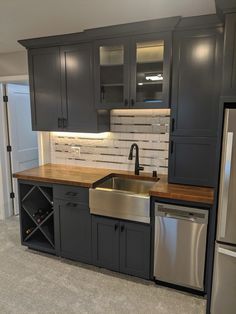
37 217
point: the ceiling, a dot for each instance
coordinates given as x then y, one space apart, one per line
33 18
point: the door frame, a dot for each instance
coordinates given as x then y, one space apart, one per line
6 183
6 204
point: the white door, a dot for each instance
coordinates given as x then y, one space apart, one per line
22 139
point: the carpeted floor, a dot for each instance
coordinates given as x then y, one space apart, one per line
38 283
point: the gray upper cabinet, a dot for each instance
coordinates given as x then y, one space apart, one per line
150 60
61 84
225 6
111 73
195 101
79 113
133 72
196 81
229 75
193 160
45 88
75 79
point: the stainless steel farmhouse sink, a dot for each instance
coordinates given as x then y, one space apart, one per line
121 197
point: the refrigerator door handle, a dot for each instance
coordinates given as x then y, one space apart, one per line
225 180
227 252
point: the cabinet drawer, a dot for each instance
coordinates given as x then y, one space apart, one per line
71 193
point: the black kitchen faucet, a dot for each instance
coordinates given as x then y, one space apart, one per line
137 166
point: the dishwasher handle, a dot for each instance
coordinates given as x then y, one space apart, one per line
181 212
167 215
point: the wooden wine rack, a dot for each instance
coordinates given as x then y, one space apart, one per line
32 198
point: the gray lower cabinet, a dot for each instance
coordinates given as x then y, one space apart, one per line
105 241
192 160
121 246
229 75
75 230
73 222
65 227
135 249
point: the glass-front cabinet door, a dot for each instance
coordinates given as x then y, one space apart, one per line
112 73
150 71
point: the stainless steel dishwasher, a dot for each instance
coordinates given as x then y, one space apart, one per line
180 245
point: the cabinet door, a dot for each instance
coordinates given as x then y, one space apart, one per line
193 161
45 89
111 73
229 77
196 82
75 230
150 58
77 88
105 241
135 249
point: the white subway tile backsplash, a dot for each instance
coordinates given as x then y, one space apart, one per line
148 128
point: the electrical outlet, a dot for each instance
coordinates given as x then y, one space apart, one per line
75 150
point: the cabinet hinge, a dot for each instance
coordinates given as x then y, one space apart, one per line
5 98
12 195
9 149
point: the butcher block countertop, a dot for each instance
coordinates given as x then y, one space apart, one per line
87 177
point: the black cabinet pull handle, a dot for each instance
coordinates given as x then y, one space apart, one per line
116 227
71 205
102 93
65 123
71 193
60 123
126 102
171 147
132 102
122 228
172 124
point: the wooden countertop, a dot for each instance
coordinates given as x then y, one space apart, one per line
87 177
181 192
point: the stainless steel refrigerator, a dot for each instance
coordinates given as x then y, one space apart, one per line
224 275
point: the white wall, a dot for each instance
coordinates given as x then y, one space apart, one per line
13 64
